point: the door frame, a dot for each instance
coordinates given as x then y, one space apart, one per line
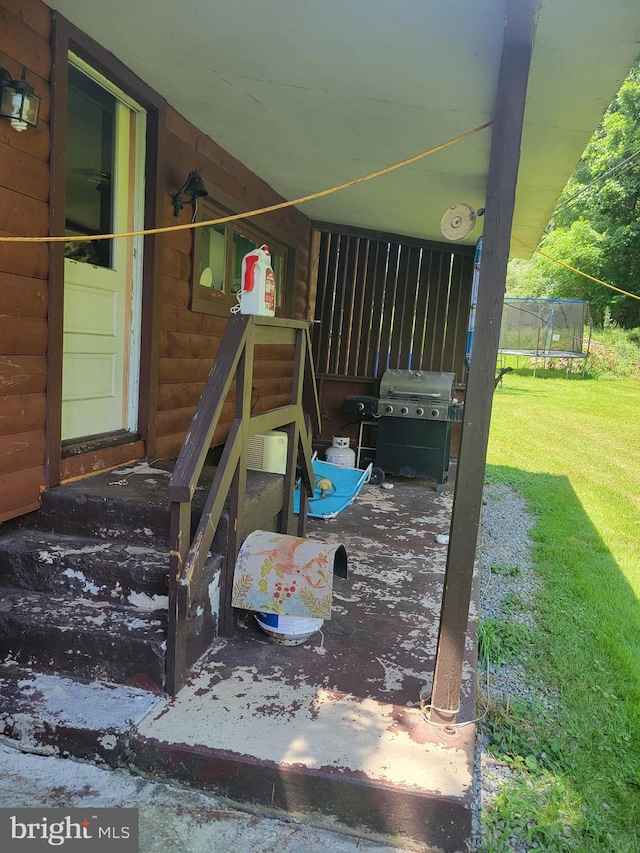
127 256
68 39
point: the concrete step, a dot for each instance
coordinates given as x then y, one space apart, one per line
84 581
102 509
58 715
132 504
98 569
83 637
267 725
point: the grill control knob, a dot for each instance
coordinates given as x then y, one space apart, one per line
360 407
435 413
388 409
419 412
404 411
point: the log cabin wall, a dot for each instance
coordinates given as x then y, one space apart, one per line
182 342
189 339
25 42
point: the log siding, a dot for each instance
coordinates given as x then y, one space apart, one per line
25 42
189 340
179 344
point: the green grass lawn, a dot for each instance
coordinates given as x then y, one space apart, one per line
571 448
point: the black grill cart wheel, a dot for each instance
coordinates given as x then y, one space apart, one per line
377 477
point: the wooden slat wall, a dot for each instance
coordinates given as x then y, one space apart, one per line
382 303
388 304
189 340
25 33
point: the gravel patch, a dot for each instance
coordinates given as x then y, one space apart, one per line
508 588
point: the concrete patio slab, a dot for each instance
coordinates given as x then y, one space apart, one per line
333 728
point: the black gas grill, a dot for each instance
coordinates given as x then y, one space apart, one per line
414 413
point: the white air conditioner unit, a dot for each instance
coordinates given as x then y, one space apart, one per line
268 452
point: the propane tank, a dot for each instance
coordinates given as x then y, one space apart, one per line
258 293
340 453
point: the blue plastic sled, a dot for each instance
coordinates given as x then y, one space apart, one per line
346 484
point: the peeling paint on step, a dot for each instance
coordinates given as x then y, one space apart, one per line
108 742
87 585
148 602
60 551
144 551
98 707
310 727
142 468
214 594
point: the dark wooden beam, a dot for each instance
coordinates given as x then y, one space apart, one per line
151 277
391 237
177 627
520 25
59 78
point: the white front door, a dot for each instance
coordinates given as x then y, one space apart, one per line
105 145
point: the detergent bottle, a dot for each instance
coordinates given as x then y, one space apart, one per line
258 294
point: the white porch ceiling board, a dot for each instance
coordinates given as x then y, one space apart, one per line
312 94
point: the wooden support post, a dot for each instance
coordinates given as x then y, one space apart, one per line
520 24
304 453
238 493
57 217
288 522
180 537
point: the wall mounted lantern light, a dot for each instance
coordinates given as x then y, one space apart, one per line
18 102
189 193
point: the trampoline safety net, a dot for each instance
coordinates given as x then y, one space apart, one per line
545 328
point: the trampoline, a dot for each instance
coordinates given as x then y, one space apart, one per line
544 329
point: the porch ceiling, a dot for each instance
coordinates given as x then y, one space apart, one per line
311 94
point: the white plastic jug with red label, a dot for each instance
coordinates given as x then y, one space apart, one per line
258 293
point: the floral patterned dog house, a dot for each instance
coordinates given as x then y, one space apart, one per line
287 575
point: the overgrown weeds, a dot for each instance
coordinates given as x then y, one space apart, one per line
505 569
614 352
500 641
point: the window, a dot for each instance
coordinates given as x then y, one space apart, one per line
218 251
90 162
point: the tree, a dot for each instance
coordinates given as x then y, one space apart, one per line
596 225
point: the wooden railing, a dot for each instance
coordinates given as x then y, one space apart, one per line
300 419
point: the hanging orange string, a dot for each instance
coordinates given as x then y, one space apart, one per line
573 269
270 209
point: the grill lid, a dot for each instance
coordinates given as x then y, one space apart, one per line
401 384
